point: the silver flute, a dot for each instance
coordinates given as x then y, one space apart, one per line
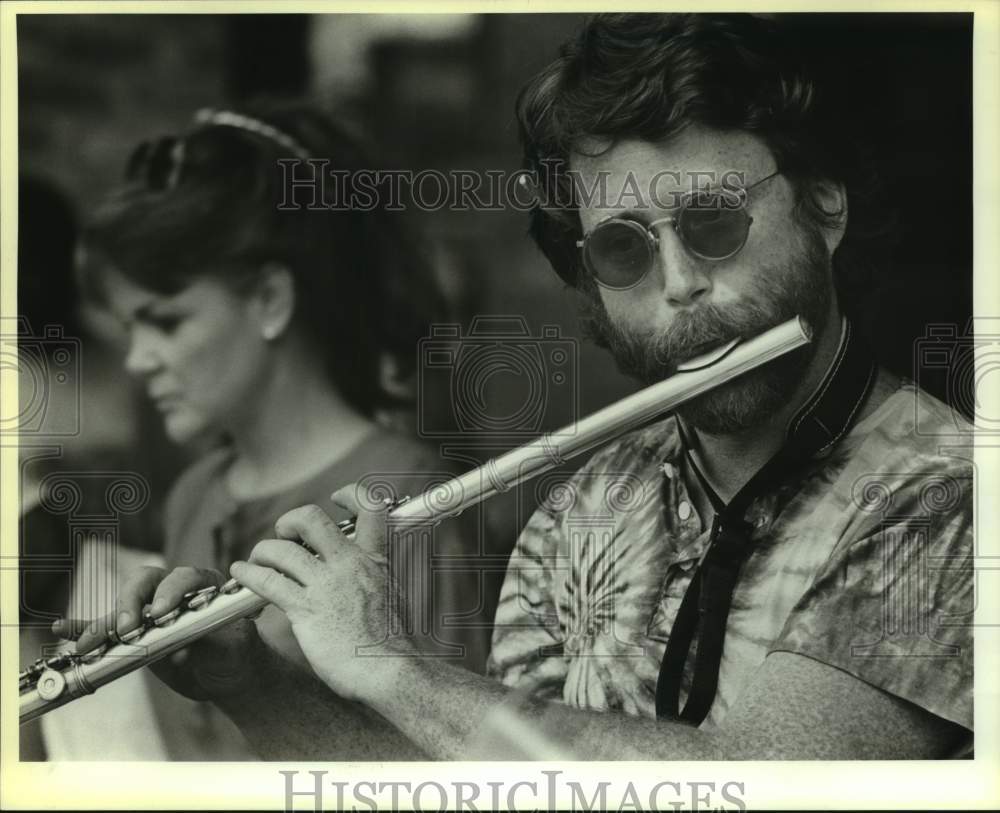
55 681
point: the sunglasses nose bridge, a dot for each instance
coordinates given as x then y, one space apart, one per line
684 279
653 232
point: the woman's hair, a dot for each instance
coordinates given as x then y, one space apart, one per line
226 197
648 76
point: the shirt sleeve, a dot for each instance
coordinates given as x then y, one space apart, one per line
527 650
895 608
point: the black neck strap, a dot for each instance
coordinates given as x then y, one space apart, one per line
819 423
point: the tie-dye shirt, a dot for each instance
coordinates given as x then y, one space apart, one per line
864 563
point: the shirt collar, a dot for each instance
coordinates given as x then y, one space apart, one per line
830 411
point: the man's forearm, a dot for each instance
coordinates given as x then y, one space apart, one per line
453 714
288 714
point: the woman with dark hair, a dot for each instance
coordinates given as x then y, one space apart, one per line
266 315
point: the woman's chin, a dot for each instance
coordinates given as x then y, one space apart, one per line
181 427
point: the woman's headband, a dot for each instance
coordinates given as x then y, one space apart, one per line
226 118
162 162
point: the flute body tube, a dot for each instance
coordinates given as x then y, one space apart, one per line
52 682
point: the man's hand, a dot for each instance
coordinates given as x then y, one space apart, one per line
214 666
340 602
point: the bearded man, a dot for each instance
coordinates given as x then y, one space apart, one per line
751 598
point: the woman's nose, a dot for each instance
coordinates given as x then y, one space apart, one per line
685 277
141 358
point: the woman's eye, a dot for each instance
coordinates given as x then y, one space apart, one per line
165 323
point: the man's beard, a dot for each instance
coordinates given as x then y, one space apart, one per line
800 288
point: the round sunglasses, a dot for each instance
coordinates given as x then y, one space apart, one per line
713 224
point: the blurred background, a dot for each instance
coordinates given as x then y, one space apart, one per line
437 92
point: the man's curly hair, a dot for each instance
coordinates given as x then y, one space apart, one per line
648 76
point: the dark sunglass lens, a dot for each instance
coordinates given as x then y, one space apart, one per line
714 232
618 253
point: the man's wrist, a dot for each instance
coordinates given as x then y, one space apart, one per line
388 671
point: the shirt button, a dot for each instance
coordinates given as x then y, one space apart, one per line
669 471
684 509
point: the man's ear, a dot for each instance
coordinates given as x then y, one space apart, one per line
830 197
275 297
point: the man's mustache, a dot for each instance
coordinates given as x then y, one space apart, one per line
696 332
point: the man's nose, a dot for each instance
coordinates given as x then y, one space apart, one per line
686 280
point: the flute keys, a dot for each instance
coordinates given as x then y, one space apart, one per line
51 684
167 618
29 676
229 587
57 662
94 654
35 669
132 636
149 622
202 597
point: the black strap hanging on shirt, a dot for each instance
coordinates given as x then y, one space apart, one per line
820 423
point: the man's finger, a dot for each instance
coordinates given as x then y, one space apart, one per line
95 633
267 583
347 497
286 557
312 525
370 522
70 628
134 595
170 592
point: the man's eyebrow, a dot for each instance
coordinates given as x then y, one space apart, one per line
642 215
